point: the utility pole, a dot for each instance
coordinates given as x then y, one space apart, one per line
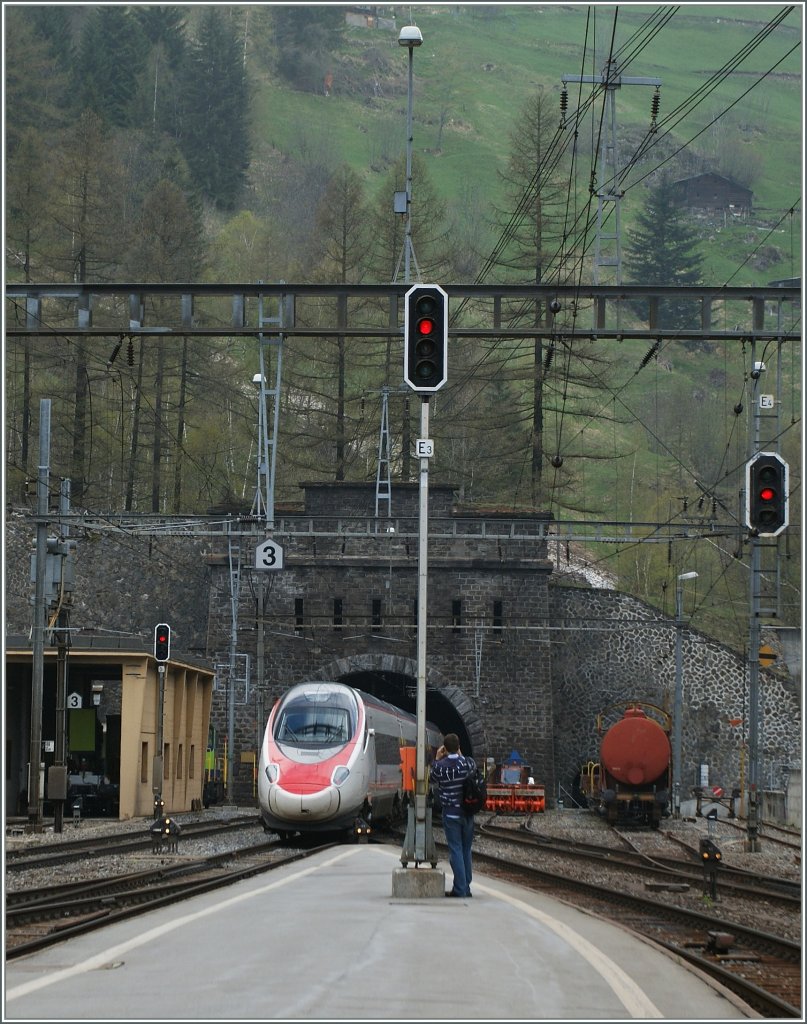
264 499
424 842
263 504
234 561
383 488
38 635
410 37
766 405
678 702
608 190
57 775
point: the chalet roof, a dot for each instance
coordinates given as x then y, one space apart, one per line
712 175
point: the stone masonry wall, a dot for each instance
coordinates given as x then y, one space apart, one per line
610 647
563 653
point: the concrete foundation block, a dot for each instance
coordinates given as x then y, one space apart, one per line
418 883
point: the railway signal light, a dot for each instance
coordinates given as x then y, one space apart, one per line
425 338
766 494
710 852
162 641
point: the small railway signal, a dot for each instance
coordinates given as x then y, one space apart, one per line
766 494
162 641
425 338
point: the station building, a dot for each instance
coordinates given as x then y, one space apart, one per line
112 730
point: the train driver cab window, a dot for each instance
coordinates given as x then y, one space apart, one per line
312 723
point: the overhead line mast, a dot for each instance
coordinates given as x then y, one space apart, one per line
608 190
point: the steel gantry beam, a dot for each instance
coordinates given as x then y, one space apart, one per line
396 528
477 310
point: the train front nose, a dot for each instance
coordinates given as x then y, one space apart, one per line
314 803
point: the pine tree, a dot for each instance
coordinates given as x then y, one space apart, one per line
111 59
215 140
34 80
662 252
306 39
342 223
158 97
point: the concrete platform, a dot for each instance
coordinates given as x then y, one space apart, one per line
326 939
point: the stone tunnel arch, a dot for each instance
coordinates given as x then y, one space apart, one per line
394 679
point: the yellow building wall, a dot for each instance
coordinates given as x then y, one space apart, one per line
187 700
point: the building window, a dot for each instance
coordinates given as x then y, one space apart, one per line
497 618
298 615
144 762
456 614
376 611
191 760
337 613
179 761
167 761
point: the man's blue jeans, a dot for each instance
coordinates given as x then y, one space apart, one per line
459 836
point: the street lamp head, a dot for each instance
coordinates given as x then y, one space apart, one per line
410 35
687 576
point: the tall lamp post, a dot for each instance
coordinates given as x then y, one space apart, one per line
419 841
418 844
679 691
410 36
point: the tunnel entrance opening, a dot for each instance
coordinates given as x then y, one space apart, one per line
400 689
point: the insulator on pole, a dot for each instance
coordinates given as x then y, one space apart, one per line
655 104
650 355
548 357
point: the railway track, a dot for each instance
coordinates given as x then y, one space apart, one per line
769 833
38 918
124 842
762 969
735 881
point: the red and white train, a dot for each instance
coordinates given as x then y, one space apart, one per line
334 758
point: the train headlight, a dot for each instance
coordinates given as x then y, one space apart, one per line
340 775
272 773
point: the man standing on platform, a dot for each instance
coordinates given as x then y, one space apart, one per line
447 772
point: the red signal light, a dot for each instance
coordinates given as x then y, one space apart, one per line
767 494
162 641
425 337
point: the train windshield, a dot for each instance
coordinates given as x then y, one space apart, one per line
316 720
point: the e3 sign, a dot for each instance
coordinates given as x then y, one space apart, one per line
766 495
425 338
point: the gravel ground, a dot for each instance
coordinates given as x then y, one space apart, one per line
122 864
772 858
